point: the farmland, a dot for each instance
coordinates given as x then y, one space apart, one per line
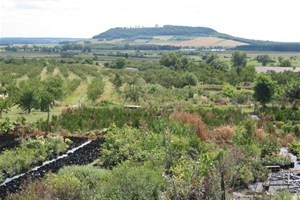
122 123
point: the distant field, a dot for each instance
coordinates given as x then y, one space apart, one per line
208 42
178 42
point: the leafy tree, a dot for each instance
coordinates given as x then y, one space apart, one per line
229 90
54 85
95 89
239 59
135 89
248 73
264 59
264 89
210 57
178 62
45 101
293 93
285 63
191 79
27 95
120 63
169 59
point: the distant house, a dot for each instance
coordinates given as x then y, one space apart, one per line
264 69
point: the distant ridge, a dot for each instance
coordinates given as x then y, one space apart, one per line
187 31
36 40
115 33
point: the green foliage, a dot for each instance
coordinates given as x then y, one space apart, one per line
98 118
27 95
295 148
239 59
219 116
269 148
95 89
6 126
264 89
117 81
174 60
248 74
65 186
30 152
70 86
264 59
133 182
229 91
45 99
292 92
191 79
120 63
285 63
154 31
54 86
130 144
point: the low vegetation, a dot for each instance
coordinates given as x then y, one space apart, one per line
177 125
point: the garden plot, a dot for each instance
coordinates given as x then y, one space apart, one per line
8 142
84 154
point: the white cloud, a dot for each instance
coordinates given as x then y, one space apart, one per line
256 19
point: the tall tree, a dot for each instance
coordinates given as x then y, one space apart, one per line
49 91
264 59
239 59
45 101
27 95
264 89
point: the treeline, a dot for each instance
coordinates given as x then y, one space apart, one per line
271 47
153 31
7 41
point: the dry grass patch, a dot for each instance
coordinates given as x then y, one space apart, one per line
192 119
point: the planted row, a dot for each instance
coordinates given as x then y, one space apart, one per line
30 153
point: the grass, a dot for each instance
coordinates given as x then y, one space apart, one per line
109 93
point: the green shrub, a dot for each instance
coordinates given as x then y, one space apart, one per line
129 144
288 128
127 182
89 176
295 148
269 148
66 186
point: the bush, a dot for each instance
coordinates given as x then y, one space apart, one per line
222 134
192 119
72 182
269 148
65 186
133 182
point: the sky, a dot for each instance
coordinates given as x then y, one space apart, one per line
274 20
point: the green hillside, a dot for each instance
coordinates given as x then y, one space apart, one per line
115 33
181 33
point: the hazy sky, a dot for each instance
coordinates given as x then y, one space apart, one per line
277 20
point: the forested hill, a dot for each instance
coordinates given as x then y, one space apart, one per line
184 32
115 33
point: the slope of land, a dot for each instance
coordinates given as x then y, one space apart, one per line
185 36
